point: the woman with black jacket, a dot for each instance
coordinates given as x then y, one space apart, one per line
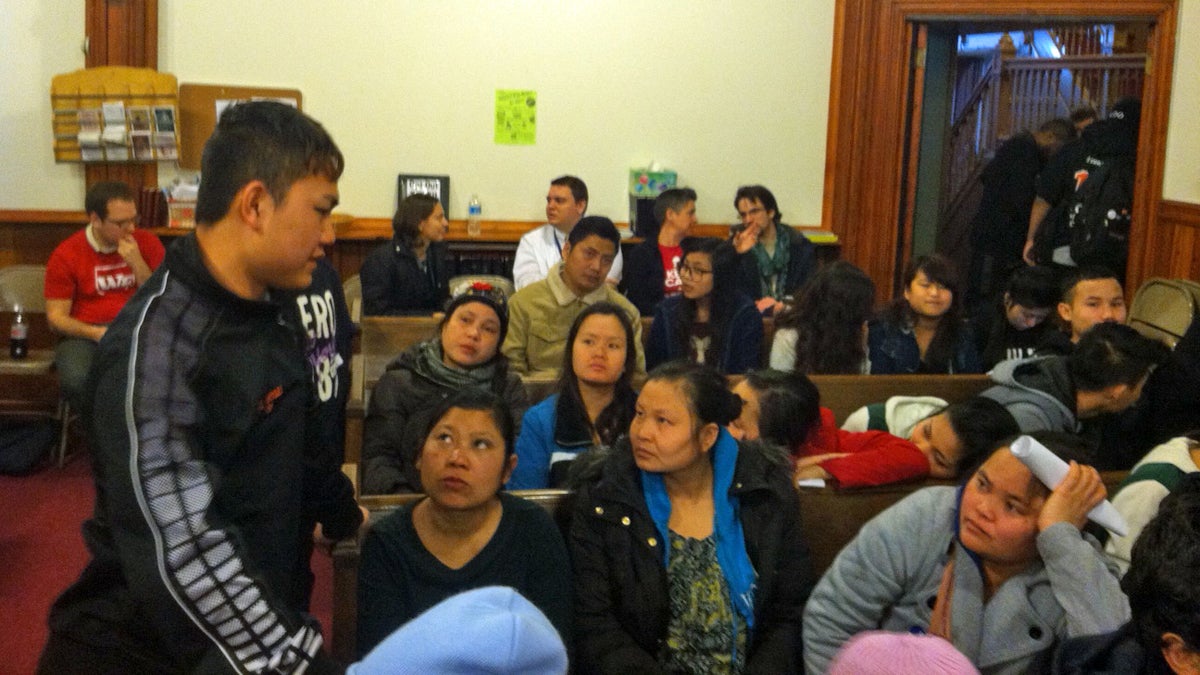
465 353
408 275
686 545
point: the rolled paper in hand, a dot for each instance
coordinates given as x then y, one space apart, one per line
1051 470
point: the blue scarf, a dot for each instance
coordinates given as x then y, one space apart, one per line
727 525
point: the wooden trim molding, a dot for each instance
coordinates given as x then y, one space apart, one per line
867 132
1178 214
1173 249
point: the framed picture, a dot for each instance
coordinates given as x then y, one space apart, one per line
437 186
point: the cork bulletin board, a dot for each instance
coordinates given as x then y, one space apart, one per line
198 113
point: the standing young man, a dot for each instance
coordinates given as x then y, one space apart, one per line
91 275
199 397
542 248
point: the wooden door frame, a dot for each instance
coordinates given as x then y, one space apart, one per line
866 141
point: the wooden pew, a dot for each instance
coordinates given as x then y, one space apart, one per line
830 518
843 394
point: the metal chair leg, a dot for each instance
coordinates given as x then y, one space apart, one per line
64 434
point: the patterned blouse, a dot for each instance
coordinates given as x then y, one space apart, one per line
699 635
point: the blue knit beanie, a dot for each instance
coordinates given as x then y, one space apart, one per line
485 630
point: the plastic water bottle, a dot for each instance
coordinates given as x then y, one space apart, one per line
474 217
18 336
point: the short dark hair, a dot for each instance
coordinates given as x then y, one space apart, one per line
1161 581
1033 287
789 406
577 187
594 225
262 140
1061 130
1111 353
406 223
674 199
101 193
1081 274
760 194
1081 113
980 424
475 398
706 390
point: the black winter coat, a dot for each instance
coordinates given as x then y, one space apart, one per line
393 283
399 409
621 592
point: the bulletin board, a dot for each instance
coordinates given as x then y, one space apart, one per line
198 113
114 114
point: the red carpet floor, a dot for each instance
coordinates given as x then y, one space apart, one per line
42 552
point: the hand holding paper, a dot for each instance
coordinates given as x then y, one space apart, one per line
1051 471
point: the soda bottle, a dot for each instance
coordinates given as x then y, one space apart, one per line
18 337
474 216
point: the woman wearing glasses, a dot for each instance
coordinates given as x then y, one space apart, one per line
711 322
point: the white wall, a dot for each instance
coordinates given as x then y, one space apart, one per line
1181 180
728 94
725 93
38 40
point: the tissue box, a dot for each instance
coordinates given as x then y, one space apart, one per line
183 213
646 184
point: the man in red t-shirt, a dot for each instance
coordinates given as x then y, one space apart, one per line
652 269
91 275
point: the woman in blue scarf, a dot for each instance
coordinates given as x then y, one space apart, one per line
687 547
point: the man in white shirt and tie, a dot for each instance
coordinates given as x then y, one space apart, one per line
541 248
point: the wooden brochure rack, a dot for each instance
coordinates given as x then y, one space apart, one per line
115 114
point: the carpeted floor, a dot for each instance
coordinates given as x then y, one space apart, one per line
42 552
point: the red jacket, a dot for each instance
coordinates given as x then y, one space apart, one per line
876 457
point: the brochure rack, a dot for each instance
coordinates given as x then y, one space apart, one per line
115 114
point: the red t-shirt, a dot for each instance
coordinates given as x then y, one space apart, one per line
97 284
670 262
876 457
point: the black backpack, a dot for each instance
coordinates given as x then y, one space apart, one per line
1098 215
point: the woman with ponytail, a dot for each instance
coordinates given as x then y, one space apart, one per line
686 545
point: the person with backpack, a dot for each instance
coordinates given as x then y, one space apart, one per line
1081 215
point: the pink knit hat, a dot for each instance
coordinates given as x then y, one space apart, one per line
880 652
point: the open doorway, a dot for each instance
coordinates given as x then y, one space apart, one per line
983 84
871 141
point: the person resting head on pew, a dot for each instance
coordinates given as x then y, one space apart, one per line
784 409
825 332
593 404
923 331
465 533
465 353
712 321
686 544
999 566
1080 393
1163 635
943 431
